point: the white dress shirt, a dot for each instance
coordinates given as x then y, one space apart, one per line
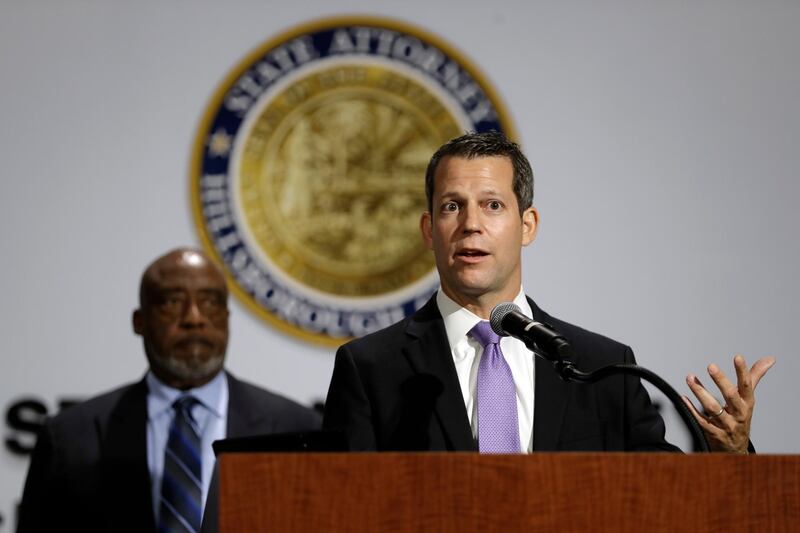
211 415
467 352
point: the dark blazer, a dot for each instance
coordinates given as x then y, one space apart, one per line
397 389
89 469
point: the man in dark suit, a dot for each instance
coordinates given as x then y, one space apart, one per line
422 384
102 464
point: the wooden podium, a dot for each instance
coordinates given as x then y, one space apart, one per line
463 492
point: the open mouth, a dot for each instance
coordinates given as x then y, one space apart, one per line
471 253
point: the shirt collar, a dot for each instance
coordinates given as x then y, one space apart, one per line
459 320
162 396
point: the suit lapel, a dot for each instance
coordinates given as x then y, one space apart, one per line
550 398
242 416
428 352
125 476
550 401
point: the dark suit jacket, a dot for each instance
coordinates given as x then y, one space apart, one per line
397 389
89 469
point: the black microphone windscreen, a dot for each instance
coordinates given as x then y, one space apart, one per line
499 312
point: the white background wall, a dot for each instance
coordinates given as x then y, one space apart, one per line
664 138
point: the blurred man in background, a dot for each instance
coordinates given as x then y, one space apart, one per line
139 458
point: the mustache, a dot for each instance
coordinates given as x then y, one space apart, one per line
193 339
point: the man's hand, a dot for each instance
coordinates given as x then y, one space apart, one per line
727 427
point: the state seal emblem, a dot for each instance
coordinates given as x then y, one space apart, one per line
307 174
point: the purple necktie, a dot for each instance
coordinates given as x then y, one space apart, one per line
498 429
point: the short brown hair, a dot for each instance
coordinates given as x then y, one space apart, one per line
487 144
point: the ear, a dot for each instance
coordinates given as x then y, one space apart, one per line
138 322
530 224
426 228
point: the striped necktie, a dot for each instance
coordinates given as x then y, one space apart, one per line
498 428
181 487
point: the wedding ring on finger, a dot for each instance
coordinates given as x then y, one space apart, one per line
715 415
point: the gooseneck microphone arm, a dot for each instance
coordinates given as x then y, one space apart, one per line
568 372
507 320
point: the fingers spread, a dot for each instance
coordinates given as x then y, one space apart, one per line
729 391
729 431
705 425
719 377
706 399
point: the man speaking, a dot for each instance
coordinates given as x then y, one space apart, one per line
441 379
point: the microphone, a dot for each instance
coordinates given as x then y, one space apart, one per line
507 320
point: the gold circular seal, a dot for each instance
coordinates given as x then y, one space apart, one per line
330 178
308 173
